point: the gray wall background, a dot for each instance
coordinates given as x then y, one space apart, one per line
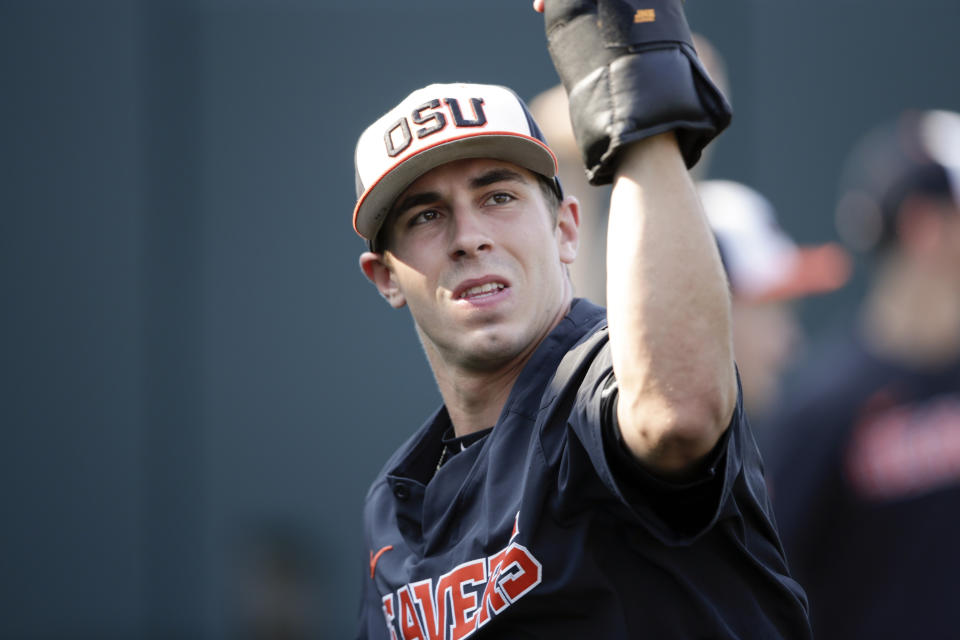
197 382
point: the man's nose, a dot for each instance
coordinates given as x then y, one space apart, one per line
470 234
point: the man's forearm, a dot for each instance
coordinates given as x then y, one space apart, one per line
668 310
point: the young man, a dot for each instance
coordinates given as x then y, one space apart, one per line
590 471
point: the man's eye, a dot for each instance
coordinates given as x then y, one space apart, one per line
424 216
500 198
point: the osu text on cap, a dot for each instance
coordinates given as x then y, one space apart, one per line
398 137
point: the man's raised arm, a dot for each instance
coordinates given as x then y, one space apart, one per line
642 108
668 310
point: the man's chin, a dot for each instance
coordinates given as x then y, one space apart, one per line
489 350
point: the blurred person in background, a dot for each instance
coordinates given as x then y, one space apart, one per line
866 467
768 272
280 586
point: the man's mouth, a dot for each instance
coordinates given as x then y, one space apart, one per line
482 290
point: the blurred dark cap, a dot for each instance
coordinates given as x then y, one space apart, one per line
918 154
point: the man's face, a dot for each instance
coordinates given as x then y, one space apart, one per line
478 255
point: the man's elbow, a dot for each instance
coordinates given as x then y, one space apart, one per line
672 436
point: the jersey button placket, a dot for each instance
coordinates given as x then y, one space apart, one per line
401 491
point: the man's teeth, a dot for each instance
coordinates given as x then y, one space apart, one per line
484 289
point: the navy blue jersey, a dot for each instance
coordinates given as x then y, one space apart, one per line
547 528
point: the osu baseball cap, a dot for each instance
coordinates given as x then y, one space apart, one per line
762 261
435 125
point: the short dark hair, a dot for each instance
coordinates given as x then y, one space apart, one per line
552 192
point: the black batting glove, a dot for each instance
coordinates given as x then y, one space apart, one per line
631 72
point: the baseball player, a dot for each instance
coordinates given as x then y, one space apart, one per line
590 472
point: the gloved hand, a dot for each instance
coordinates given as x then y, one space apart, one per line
631 72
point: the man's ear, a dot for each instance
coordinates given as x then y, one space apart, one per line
375 267
568 229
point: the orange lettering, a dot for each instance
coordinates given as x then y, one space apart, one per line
424 611
410 627
520 574
388 614
464 604
492 603
433 616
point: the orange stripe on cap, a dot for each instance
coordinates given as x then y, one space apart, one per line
815 270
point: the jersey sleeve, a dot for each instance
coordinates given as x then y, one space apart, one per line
674 511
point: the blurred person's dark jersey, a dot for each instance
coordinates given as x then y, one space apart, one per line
864 465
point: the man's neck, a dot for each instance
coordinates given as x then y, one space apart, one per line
913 316
475 397
475 403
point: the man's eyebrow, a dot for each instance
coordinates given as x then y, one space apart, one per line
496 175
415 200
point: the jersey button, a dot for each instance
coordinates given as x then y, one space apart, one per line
401 491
